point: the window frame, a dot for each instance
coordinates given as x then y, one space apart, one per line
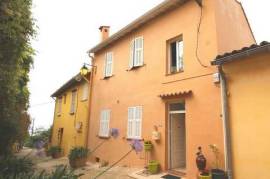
134 120
106 122
169 56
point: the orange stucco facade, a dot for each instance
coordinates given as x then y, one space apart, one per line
219 32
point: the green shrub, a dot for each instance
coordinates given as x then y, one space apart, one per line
78 152
12 166
61 172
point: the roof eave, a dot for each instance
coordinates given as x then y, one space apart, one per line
243 54
153 13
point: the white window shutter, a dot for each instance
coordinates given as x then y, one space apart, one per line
130 122
85 91
104 126
138 121
59 105
139 51
132 49
108 66
107 123
73 102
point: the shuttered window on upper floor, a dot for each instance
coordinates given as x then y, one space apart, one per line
59 106
73 102
108 67
85 91
136 52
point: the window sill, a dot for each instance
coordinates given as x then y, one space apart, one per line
106 77
83 100
135 67
72 113
174 73
103 137
134 138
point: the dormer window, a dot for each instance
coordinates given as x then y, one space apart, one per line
136 53
175 56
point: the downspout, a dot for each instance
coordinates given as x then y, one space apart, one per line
226 124
89 101
54 113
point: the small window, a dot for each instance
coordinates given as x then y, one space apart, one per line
59 108
73 102
104 127
85 91
176 51
108 69
136 52
134 127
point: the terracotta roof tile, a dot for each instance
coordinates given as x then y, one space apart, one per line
236 54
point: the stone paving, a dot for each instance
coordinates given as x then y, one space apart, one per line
89 171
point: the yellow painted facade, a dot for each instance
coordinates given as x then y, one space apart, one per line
248 82
70 126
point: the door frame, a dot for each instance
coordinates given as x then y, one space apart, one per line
168 113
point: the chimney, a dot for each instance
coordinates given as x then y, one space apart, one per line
104 32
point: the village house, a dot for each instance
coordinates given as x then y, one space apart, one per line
247 75
155 76
71 114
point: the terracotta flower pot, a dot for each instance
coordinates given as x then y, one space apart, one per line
77 163
56 155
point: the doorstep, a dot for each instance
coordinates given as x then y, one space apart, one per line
140 174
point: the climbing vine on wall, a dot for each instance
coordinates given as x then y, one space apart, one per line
17 29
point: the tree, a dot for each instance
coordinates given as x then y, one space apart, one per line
17 28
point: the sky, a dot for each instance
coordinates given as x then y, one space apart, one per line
67 29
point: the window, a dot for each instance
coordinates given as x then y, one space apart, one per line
108 64
73 102
59 109
85 91
134 122
136 52
176 51
104 128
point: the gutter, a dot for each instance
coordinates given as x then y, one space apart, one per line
226 124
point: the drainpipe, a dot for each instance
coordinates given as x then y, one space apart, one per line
54 113
89 100
226 123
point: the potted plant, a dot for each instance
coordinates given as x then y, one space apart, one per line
55 151
153 166
201 164
217 173
148 145
78 157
